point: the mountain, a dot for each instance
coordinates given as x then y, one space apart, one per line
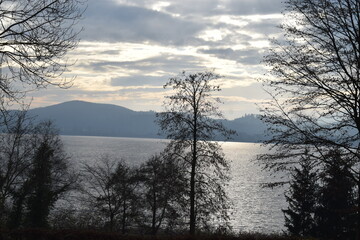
94 119
248 128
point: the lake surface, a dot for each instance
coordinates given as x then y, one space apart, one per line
254 208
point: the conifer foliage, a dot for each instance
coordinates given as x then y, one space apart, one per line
299 217
43 182
337 201
322 199
42 197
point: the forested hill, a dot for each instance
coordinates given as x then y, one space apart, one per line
94 119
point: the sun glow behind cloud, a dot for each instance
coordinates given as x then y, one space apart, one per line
130 48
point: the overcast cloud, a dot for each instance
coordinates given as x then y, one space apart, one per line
129 48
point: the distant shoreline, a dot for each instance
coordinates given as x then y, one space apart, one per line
145 138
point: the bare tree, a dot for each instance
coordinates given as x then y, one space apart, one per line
188 121
15 158
163 192
110 187
125 183
315 85
98 191
34 39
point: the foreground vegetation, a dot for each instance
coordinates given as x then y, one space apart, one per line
32 234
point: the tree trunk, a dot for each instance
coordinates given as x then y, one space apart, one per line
123 222
111 221
357 121
2 207
153 225
192 175
192 199
192 181
358 211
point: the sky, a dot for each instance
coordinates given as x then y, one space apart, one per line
128 50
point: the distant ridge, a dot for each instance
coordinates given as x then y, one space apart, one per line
97 119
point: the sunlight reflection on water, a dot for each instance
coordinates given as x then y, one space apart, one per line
254 208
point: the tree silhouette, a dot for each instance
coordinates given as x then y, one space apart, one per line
125 183
50 175
45 178
110 190
336 201
314 82
302 200
35 36
98 189
164 190
41 198
15 158
188 121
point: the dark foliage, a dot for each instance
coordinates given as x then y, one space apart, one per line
337 201
46 179
41 198
34 171
302 200
36 234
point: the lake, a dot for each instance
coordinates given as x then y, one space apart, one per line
254 208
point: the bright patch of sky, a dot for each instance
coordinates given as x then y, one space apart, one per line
129 49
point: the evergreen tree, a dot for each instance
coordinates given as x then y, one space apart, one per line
47 179
336 218
299 217
42 197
